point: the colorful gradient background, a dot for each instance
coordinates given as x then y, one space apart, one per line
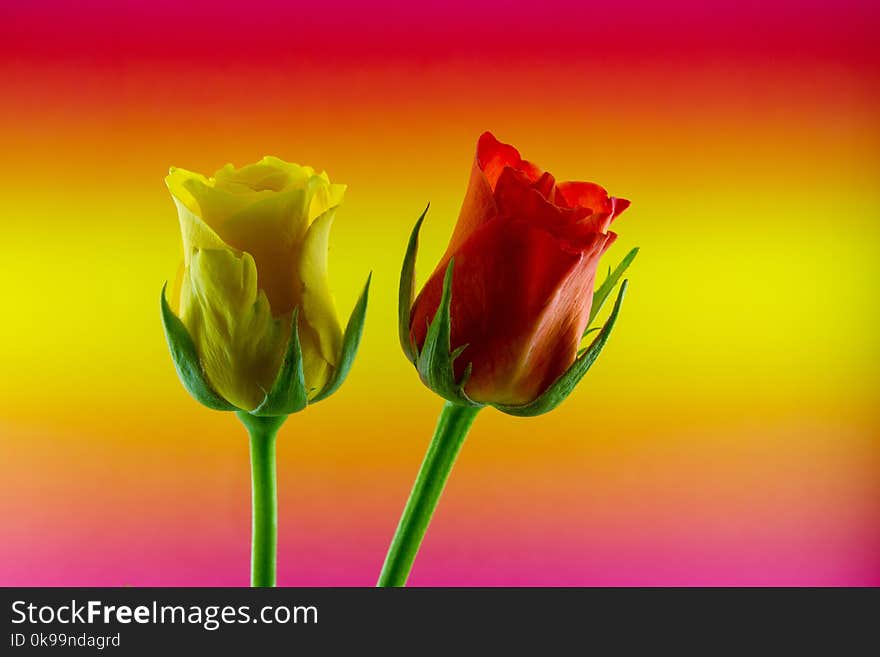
727 436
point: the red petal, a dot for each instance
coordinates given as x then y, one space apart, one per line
546 185
520 301
585 195
477 208
620 204
590 195
493 156
491 161
518 198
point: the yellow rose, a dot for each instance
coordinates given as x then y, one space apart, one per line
254 251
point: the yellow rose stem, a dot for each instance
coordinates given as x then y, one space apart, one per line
452 427
264 496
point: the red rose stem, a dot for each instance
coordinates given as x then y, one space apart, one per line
452 428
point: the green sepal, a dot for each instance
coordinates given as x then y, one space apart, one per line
435 362
406 291
186 361
288 394
350 342
562 387
602 292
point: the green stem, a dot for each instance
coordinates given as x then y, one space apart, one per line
452 428
264 496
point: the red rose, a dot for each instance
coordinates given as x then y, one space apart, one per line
525 255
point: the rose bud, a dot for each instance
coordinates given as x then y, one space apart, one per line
250 319
501 319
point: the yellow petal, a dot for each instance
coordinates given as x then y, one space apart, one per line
270 231
239 343
195 233
173 295
177 180
263 209
324 195
316 369
269 174
318 311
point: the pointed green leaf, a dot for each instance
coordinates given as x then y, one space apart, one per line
562 387
435 362
288 394
186 361
604 290
350 342
406 291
